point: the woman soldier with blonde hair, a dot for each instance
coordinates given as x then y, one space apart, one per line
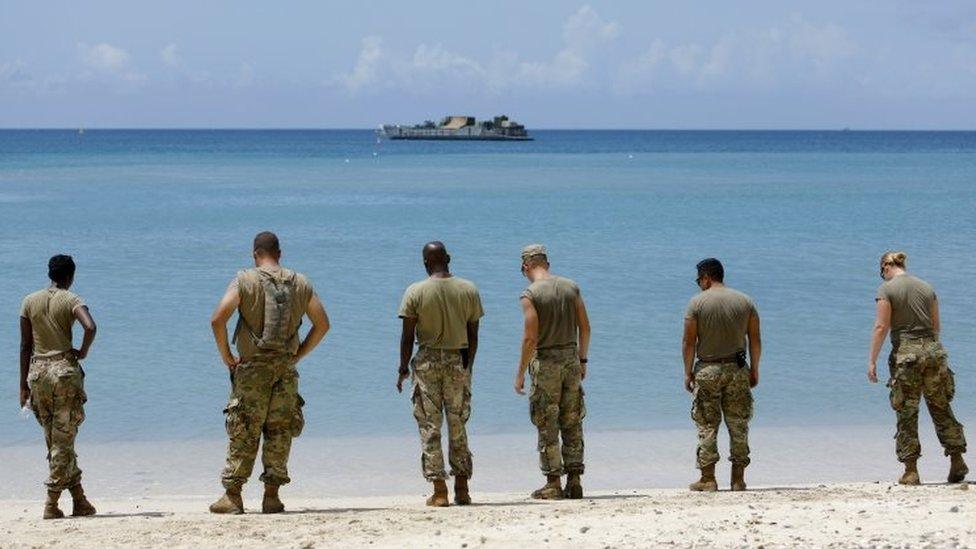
907 305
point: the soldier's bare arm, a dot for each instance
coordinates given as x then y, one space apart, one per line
472 329
934 313
83 315
583 326
882 323
755 349
218 322
530 339
407 335
688 341
320 326
26 349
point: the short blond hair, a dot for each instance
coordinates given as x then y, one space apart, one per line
897 259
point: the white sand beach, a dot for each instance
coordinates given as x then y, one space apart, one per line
840 515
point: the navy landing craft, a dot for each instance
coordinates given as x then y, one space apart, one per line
460 128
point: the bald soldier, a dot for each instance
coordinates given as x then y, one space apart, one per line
442 313
717 323
554 352
52 381
270 301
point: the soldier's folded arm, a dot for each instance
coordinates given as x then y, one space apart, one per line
320 326
755 348
83 315
688 341
26 350
218 322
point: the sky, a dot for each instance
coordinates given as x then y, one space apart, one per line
750 64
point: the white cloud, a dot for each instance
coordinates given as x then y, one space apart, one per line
14 73
104 57
366 71
170 55
433 67
798 51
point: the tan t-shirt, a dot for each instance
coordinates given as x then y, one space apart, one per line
251 309
443 308
554 300
51 312
722 315
911 300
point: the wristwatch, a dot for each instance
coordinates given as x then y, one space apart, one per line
584 360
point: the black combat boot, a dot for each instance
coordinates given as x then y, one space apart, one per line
461 494
738 478
574 488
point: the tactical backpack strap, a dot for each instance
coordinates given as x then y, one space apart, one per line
279 291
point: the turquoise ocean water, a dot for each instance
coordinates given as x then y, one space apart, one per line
159 222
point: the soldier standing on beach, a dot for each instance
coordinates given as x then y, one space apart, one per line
919 366
717 323
442 313
52 381
270 301
554 351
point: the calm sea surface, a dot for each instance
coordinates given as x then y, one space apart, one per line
159 222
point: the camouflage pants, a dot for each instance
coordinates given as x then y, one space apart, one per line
264 400
58 398
920 367
722 389
442 388
556 407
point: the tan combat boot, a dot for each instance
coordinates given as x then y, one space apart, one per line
738 478
271 502
51 510
957 468
707 482
574 488
461 495
230 503
552 489
81 507
910 476
439 497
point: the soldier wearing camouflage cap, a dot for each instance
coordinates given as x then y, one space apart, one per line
442 312
908 307
270 301
554 352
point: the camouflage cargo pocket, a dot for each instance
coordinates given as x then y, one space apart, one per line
896 396
418 403
298 421
949 382
466 404
235 421
537 407
78 410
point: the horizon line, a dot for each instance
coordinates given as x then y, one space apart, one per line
312 128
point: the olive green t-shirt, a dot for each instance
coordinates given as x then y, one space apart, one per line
554 300
443 308
911 300
722 315
251 308
51 312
